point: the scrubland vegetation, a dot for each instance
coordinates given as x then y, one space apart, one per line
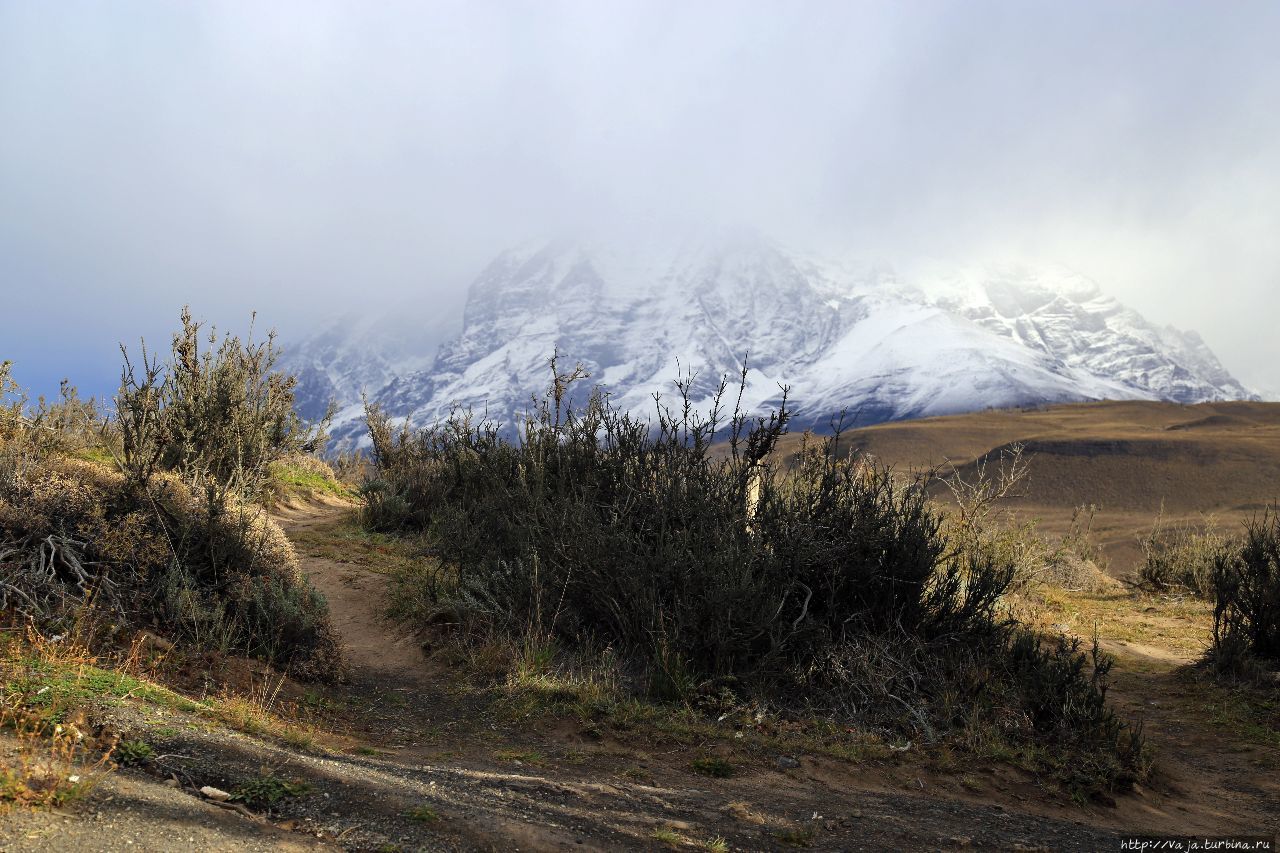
681 577
828 587
151 518
169 533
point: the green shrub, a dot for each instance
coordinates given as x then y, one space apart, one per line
74 534
423 814
216 416
133 753
591 525
701 564
1246 587
175 542
716 768
268 790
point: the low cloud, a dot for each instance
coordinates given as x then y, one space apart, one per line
306 159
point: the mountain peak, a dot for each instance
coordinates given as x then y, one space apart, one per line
842 335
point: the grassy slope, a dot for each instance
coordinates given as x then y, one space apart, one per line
1128 458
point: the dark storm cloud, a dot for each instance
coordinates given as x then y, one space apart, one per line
304 159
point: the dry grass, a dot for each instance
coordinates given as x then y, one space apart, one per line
260 710
675 838
345 541
53 692
51 755
47 768
1128 458
1182 626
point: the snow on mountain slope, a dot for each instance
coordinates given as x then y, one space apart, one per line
908 360
1067 316
840 336
351 356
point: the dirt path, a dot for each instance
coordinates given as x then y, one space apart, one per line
424 766
575 791
376 647
1204 783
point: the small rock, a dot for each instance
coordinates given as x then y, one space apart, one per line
786 762
217 794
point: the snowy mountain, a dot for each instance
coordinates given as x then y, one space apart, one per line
841 336
353 356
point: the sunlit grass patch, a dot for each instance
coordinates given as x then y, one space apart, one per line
521 756
1182 625
304 476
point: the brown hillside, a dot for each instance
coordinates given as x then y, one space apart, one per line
1128 458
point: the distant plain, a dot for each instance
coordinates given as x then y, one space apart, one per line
1131 460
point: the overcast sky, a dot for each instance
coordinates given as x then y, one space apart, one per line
312 157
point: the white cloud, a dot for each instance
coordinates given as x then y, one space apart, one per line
300 158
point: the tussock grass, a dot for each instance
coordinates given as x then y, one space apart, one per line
1180 557
715 768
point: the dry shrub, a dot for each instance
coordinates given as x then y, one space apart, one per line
64 425
218 414
976 522
351 467
223 575
12 402
176 542
1067 569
